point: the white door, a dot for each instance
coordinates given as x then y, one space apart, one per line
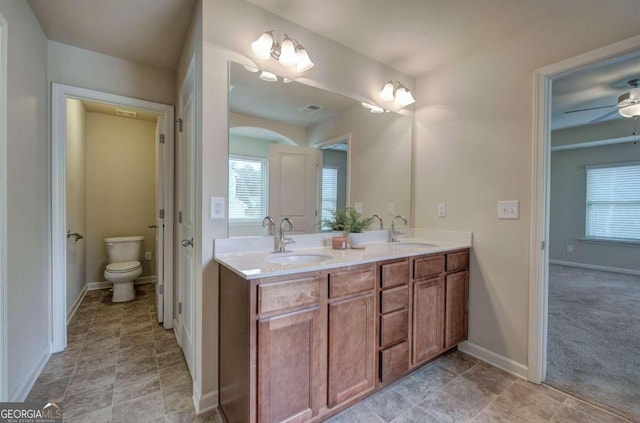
186 217
159 223
293 185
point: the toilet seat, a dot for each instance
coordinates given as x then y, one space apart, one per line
123 267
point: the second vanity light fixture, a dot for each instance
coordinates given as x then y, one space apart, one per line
288 52
395 90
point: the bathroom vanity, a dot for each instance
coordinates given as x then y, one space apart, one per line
304 337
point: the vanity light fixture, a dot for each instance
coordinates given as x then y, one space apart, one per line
288 52
268 76
372 108
395 90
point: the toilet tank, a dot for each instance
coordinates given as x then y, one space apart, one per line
125 248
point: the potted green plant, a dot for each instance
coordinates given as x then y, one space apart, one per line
349 221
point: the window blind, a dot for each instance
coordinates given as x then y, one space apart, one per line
613 202
329 193
247 189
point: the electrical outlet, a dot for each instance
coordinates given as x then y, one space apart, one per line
147 255
569 248
216 208
442 209
358 207
508 209
391 209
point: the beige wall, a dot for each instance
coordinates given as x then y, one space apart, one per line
87 69
294 133
28 252
568 202
120 186
474 149
76 192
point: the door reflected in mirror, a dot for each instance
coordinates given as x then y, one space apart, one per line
302 152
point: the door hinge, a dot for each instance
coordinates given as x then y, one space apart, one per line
179 122
161 213
162 138
179 308
542 245
179 217
160 289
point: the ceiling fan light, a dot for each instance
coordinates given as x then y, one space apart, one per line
263 45
630 111
287 52
386 94
268 76
303 62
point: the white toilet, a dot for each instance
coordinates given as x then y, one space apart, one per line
123 254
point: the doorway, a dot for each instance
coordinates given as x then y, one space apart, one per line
59 237
539 273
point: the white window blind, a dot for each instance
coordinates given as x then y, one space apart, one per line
247 189
613 202
329 193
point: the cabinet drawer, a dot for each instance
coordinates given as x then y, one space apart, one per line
394 361
394 299
394 327
288 295
457 261
393 274
351 282
428 266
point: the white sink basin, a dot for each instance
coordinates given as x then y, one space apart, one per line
413 245
298 258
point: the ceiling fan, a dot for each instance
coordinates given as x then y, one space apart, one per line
628 104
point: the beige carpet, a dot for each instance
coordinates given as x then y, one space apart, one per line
594 337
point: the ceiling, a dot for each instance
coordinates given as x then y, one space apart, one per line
109 109
413 36
144 31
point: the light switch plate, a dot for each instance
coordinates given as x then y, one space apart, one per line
391 209
442 209
509 209
216 208
358 207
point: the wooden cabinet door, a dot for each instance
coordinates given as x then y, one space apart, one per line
351 348
428 324
289 366
456 309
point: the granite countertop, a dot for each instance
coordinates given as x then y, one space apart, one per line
259 264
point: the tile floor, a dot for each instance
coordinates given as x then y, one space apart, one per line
459 388
121 366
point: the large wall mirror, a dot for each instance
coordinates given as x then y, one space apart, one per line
299 151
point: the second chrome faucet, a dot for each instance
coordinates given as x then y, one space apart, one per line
394 232
282 240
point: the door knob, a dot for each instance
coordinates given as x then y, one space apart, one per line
152 226
187 242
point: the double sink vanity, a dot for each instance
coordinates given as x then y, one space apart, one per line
305 334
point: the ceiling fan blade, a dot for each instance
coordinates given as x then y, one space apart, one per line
604 117
590 108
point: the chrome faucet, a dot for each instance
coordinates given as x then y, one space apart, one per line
282 244
394 233
375 216
270 224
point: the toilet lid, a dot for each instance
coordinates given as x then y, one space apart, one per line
123 266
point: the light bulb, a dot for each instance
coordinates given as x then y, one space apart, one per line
262 46
387 92
632 110
268 76
287 52
303 62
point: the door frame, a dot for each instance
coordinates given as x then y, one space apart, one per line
540 191
59 95
321 146
3 213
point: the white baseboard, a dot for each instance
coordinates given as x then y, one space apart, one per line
497 360
595 267
206 402
176 330
21 394
76 303
92 286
